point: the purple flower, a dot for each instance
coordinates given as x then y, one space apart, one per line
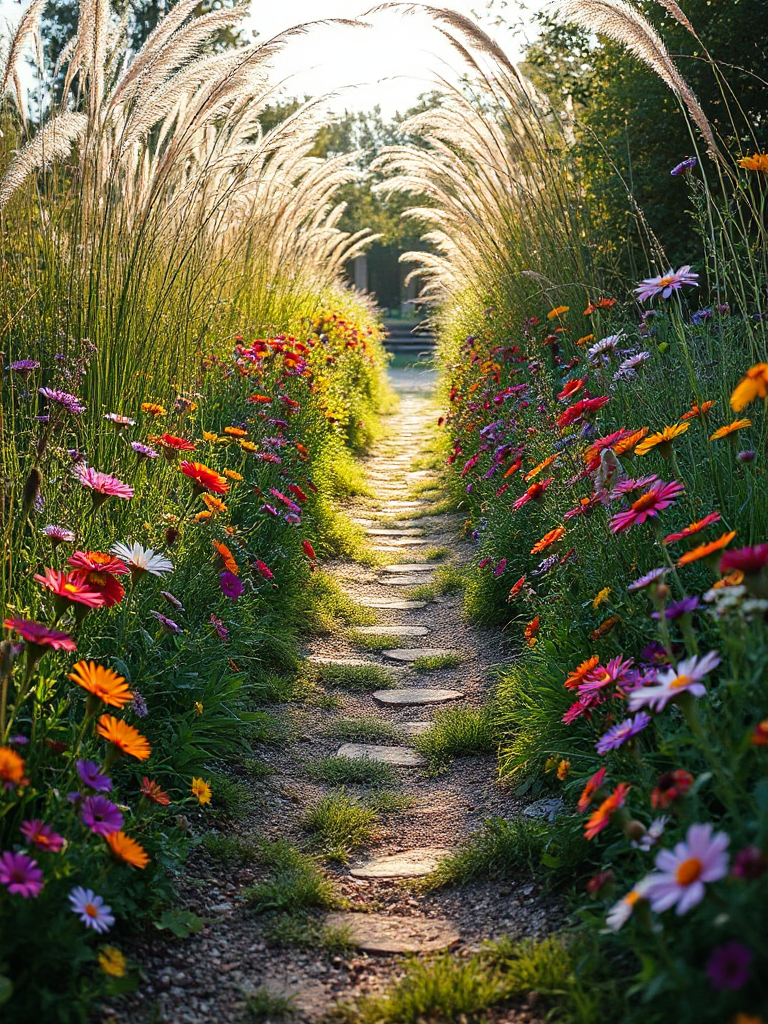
268 508
645 581
665 284
728 967
701 316
93 911
746 456
500 567
677 609
169 626
90 775
220 628
100 815
174 602
231 586
58 534
144 451
139 705
622 732
749 863
64 399
24 366
18 740
683 168
20 874
292 519
654 654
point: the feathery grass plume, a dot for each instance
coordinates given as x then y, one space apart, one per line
27 28
53 142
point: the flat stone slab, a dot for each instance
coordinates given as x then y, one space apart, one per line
412 653
392 630
414 728
379 531
389 755
322 659
410 567
412 696
405 581
547 807
398 606
410 864
379 933
395 545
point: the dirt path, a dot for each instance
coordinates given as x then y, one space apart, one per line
206 977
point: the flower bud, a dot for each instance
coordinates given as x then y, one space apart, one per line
746 456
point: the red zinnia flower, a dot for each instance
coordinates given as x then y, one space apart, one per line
41 636
534 492
204 478
69 587
688 531
98 561
103 583
581 409
572 388
263 569
172 445
297 492
515 589
153 792
309 551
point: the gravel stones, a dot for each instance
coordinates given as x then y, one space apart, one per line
392 630
410 567
400 606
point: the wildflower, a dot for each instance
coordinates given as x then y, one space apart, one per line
171 445
258 399
581 410
553 314
571 388
203 478
542 465
650 838
112 962
696 527
68 402
730 429
118 421
596 304
68 589
600 818
141 560
728 966
677 609
580 673
515 589
759 738
123 737
100 815
757 162
174 602
682 872
601 597
605 345
91 776
590 790
20 874
153 409
684 167
226 557
753 385
101 485
548 539
667 283
237 477
645 581
604 628
669 685
202 791
648 505
93 911
698 412
705 550
127 849
586 339
214 505
139 705
58 535
500 568
102 683
249 446
167 625
24 366
307 548
614 673
619 734
748 455
633 362
263 569
221 630
97 561
531 630
534 493
670 787
42 836
750 863
231 586
144 451
627 444
198 707
562 770
750 560
40 636
663 440
152 791
621 912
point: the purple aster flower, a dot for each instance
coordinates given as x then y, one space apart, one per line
221 629
654 654
746 456
545 565
58 534
684 167
20 874
174 602
292 519
169 626
69 402
500 567
24 366
728 967
139 705
18 740
652 836
634 361
701 316
231 586
654 576
144 451
93 911
677 609
268 508
619 734
91 776
100 815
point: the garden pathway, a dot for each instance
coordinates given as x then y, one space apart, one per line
206 977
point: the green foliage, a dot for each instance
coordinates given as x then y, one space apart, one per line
356 678
232 849
343 771
295 882
376 641
449 579
435 662
338 824
306 931
458 732
264 1006
436 554
366 727
232 797
324 605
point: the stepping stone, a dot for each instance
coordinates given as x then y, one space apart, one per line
321 659
405 581
410 567
400 606
413 696
382 532
414 728
392 630
412 653
398 756
410 864
380 933
547 807
397 544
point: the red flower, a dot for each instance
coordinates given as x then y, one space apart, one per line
590 789
670 787
98 561
204 478
153 792
297 492
602 816
40 635
700 524
534 492
596 304
760 735
69 587
750 561
102 485
309 551
515 589
103 583
581 409
263 569
572 388
171 444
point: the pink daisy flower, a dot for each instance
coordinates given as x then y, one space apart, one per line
682 873
20 874
42 836
667 283
648 505
670 683
102 485
41 635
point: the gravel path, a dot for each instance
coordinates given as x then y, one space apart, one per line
204 978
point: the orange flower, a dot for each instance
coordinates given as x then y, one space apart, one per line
233 475
214 505
663 439
577 675
227 558
515 589
11 768
592 786
202 516
249 446
547 539
202 791
257 399
171 444
153 792
562 770
124 737
754 385
697 411
602 816
103 683
127 849
209 435
605 628
733 579
542 465
628 443
730 428
531 630
758 162
302 450
704 550
235 431
204 478
586 339
760 735
596 304
558 311
513 468
153 409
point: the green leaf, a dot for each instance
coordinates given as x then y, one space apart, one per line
181 923
6 989
549 861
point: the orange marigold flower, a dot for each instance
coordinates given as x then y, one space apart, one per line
663 440
602 816
585 340
596 304
153 792
697 411
605 628
209 435
558 311
202 516
302 450
733 579
547 539
123 736
628 443
249 446
227 558
202 791
204 478
757 162
103 683
562 770
754 385
531 630
153 409
577 676
233 475
214 505
515 589
11 768
513 468
760 735
127 849
704 550
541 466
731 428
235 431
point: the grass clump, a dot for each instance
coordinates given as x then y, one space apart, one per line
434 662
436 554
230 849
329 702
344 771
338 824
326 605
448 580
231 797
262 1006
357 678
384 802
367 727
376 641
306 931
457 732
295 882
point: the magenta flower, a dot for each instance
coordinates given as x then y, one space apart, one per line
221 629
144 451
69 402
102 485
263 569
24 366
91 776
93 911
647 506
42 836
728 967
169 626
100 815
749 863
58 535
671 684
20 874
268 508
676 609
655 575
37 634
502 565
667 283
231 586
622 732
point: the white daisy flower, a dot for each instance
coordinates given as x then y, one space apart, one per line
621 912
140 560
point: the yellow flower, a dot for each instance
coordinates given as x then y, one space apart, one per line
601 597
754 385
202 516
233 475
210 436
663 440
558 311
758 162
198 707
112 962
730 428
249 446
562 770
215 505
586 339
202 791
